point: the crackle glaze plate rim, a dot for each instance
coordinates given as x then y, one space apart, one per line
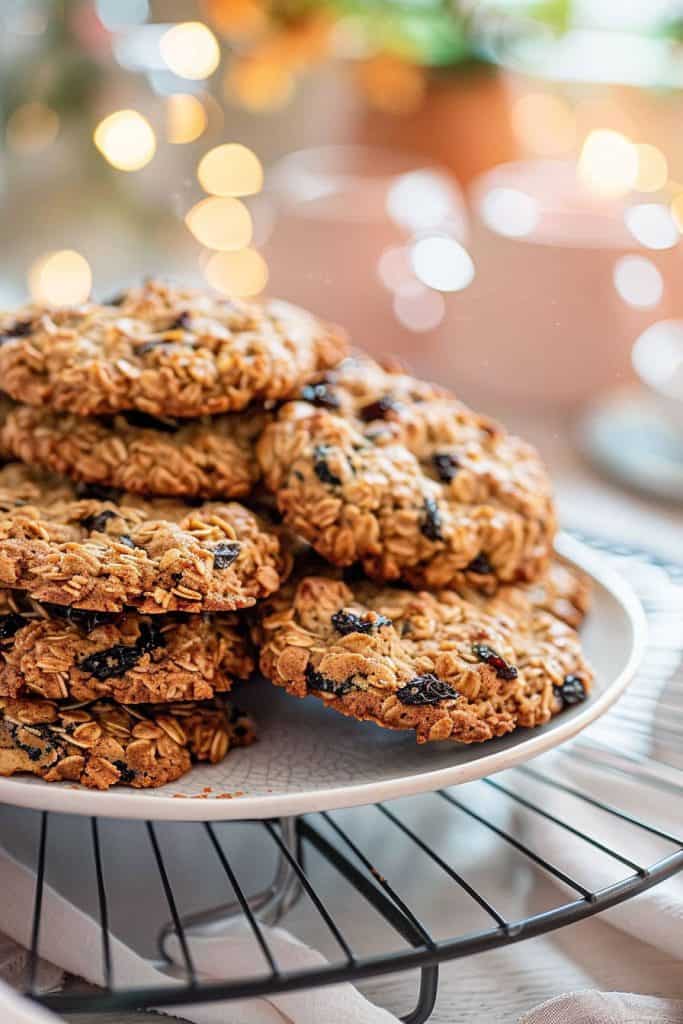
617 617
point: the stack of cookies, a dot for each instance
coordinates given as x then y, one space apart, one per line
390 552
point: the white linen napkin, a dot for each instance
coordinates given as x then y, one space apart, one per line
335 1004
14 1009
606 1008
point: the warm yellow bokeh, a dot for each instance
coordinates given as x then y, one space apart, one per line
653 169
677 211
237 19
220 223
31 128
608 164
60 278
126 140
545 124
259 83
239 274
185 118
230 170
190 50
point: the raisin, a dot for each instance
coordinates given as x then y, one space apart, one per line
9 625
34 753
502 668
182 321
116 300
446 466
97 492
572 691
380 409
320 395
317 681
348 622
113 661
151 637
98 523
431 522
225 553
320 466
85 620
137 418
480 565
18 330
427 689
126 773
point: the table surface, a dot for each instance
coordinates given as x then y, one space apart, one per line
504 983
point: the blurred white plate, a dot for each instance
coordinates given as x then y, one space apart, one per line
629 438
311 759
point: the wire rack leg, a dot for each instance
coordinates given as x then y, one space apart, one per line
269 905
286 887
429 976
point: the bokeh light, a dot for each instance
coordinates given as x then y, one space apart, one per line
421 200
653 169
510 212
223 224
190 50
60 278
658 356
608 164
126 140
237 19
185 118
31 127
260 83
230 170
395 269
638 281
419 309
677 211
545 124
240 274
442 263
653 225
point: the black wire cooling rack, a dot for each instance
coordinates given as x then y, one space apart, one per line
333 876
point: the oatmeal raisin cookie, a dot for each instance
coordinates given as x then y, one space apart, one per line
376 467
167 351
205 458
435 663
158 556
59 653
102 744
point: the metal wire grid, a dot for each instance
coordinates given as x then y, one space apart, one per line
317 853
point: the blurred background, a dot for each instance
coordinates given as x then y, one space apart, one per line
490 190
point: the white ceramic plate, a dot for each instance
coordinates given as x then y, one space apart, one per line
311 759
